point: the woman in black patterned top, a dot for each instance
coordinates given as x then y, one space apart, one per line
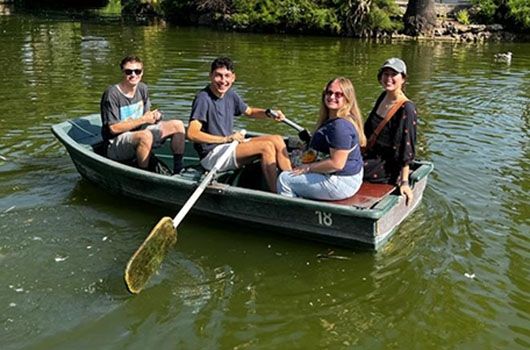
388 156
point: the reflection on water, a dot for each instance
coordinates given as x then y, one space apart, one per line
454 275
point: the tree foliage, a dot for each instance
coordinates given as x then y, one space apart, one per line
514 14
368 17
345 17
520 11
287 15
141 7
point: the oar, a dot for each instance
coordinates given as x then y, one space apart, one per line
148 257
303 133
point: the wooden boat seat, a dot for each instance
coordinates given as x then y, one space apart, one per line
368 195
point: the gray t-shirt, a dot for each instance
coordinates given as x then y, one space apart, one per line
216 115
116 107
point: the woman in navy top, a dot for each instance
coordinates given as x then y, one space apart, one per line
339 135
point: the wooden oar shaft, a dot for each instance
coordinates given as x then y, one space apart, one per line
202 186
148 257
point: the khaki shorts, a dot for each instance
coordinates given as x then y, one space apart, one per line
211 158
122 147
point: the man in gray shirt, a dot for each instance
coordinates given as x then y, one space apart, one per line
130 129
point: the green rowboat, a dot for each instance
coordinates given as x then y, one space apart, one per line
367 219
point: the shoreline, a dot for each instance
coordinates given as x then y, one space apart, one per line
447 29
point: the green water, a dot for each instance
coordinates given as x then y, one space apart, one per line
454 276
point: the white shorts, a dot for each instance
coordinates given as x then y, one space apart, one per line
122 147
211 158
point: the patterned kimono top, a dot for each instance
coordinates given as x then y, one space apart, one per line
394 147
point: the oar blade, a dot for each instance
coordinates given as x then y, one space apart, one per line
147 259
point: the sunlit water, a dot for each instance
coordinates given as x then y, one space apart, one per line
455 274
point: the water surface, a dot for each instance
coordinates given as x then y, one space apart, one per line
455 274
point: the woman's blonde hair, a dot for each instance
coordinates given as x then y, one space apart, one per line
350 111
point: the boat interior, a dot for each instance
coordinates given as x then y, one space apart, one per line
249 176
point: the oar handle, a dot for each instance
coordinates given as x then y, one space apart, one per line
303 134
272 114
205 182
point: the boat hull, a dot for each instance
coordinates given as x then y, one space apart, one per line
308 219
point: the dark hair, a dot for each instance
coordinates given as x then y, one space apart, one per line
130 58
404 75
380 74
222 62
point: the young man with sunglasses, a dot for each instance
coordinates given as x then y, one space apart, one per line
130 129
211 127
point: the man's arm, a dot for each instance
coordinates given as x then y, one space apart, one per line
195 134
259 113
150 117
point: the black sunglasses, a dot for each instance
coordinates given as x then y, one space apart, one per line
131 71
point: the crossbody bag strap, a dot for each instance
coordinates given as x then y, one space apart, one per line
389 114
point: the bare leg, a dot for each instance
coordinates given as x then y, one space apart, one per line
175 129
282 157
247 151
144 142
